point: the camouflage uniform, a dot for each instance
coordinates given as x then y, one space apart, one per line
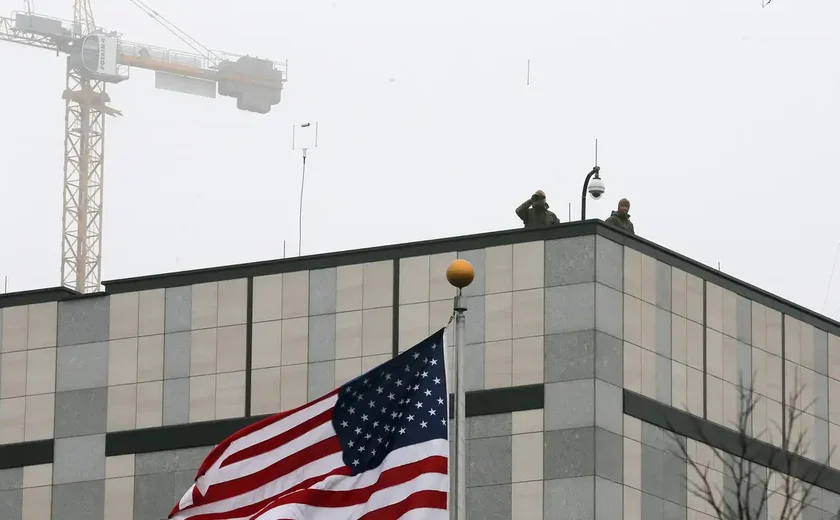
534 217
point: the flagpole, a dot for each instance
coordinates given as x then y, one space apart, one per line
460 274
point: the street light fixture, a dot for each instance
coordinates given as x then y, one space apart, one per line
595 186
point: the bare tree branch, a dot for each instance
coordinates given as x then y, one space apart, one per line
702 490
754 483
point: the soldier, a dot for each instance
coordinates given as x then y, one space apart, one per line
621 218
534 212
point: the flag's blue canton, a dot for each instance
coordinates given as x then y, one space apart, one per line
399 403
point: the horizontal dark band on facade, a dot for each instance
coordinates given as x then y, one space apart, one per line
504 400
174 437
29 453
53 294
195 435
724 439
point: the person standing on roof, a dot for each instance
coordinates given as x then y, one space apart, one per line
534 212
621 218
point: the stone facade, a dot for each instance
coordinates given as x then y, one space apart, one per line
109 402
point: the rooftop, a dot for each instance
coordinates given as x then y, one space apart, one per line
443 245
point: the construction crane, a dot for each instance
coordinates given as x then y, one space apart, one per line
95 58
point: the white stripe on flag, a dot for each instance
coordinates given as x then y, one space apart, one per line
399 457
426 514
283 425
216 475
273 488
252 465
186 500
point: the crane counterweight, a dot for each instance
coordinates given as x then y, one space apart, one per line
95 58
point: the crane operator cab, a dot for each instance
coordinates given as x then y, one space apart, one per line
95 57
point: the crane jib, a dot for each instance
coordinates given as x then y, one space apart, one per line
149 63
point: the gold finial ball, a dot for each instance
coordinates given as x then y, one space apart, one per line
460 273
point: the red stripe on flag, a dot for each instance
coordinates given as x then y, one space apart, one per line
345 498
426 499
419 500
275 442
250 482
244 432
256 507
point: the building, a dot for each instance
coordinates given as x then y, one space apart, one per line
583 343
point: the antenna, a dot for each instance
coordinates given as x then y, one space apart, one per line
570 212
304 125
830 278
5 284
596 151
528 74
300 210
284 249
303 182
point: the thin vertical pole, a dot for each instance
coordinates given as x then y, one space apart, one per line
457 449
300 211
596 151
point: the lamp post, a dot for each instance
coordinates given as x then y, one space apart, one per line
594 185
460 274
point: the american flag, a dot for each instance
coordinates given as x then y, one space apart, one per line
375 449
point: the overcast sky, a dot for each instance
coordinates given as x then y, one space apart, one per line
718 119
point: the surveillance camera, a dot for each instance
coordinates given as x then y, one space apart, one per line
596 188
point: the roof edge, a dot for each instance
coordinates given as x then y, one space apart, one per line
350 257
35 296
727 281
434 246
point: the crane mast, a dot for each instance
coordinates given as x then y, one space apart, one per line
94 59
84 168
